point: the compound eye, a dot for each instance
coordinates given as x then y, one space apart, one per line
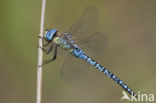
50 34
53 31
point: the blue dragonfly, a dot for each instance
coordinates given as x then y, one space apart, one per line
82 30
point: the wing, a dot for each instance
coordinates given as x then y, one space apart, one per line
94 44
73 69
86 24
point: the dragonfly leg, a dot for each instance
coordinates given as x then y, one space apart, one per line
44 39
54 57
40 36
47 51
46 44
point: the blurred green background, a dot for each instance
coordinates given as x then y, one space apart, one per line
129 25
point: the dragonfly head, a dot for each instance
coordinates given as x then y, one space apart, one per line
50 34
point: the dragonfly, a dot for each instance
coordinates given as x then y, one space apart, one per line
81 30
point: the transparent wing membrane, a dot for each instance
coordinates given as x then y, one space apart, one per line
90 42
95 43
86 24
73 69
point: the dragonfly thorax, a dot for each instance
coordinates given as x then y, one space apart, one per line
63 43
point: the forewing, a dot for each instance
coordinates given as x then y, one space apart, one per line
86 23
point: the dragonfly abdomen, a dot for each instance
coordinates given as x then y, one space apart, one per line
79 53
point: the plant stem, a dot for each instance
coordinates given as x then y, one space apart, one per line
40 56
